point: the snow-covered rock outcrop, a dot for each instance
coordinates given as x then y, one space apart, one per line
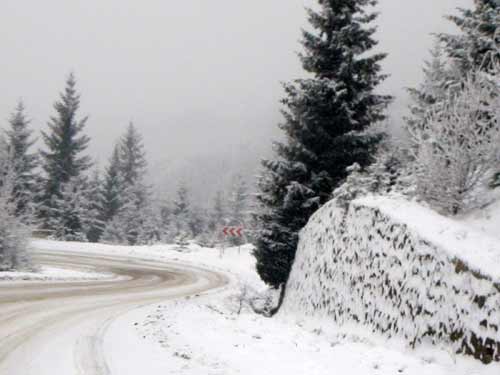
401 270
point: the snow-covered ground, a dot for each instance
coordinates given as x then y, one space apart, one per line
46 273
486 220
208 334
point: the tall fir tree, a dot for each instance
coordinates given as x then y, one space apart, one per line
239 202
477 47
14 233
113 187
239 207
69 218
63 159
127 198
181 212
20 140
218 213
325 121
132 156
94 214
438 78
433 88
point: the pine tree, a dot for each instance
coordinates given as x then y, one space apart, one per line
127 198
181 212
69 219
14 233
433 90
196 222
218 213
477 47
132 156
151 226
325 121
62 161
113 187
131 215
95 199
19 138
239 206
239 202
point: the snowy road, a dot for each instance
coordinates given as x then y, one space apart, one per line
58 328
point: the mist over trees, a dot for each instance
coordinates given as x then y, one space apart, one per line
333 145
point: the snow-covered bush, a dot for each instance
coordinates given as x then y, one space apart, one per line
457 149
388 174
14 234
399 269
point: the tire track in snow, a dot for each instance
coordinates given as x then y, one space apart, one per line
34 315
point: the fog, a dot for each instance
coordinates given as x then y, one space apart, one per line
199 78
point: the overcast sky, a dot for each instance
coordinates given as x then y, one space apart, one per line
194 75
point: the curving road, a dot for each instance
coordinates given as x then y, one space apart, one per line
57 328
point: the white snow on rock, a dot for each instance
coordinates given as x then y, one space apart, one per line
461 239
400 270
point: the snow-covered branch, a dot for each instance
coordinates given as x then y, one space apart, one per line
456 151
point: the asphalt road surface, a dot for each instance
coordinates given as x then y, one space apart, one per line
57 328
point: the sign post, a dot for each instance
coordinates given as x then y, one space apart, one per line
232 232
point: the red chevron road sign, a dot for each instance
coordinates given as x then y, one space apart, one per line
233 231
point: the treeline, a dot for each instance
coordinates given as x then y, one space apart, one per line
335 144
60 193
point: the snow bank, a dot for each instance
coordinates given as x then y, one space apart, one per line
233 260
485 220
401 270
46 273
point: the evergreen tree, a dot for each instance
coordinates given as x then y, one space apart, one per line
95 199
132 156
62 161
325 121
19 138
196 222
218 213
133 212
477 47
14 233
127 199
112 188
181 212
239 206
151 226
70 208
433 90
239 201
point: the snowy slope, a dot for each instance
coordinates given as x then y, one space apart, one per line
208 334
485 220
